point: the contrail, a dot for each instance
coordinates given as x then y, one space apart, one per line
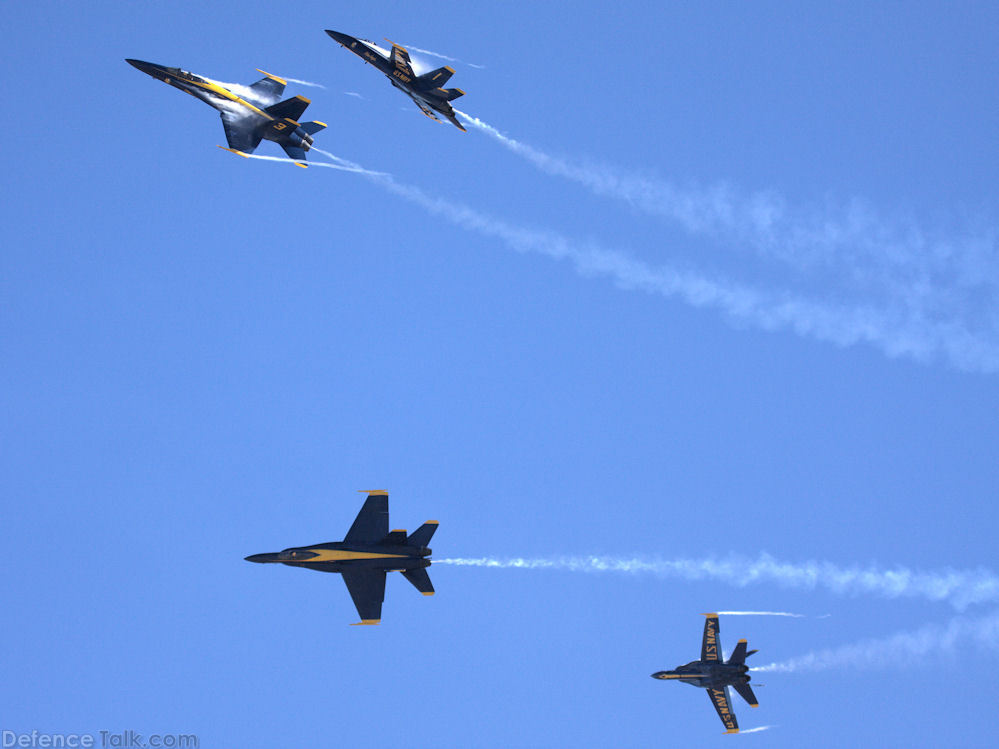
958 588
896 332
301 82
962 636
341 167
761 613
757 730
442 57
914 276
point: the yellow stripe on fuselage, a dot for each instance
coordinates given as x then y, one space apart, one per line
226 94
339 555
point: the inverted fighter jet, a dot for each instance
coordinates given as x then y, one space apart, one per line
424 89
253 114
367 552
715 675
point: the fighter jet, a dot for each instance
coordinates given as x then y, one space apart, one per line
253 114
366 553
715 675
424 89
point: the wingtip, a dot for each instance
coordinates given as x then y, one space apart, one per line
433 522
711 614
732 730
372 492
365 622
233 150
428 592
282 81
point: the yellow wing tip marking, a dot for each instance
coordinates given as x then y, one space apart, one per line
744 640
394 44
709 615
307 101
399 530
304 166
751 705
732 730
449 69
366 622
433 522
462 91
372 492
429 593
321 123
282 81
233 150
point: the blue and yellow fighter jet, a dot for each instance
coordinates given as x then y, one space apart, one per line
253 114
425 90
365 555
716 675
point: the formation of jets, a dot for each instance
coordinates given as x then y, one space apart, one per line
370 550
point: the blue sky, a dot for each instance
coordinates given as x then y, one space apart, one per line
739 299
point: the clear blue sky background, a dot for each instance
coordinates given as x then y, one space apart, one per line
203 357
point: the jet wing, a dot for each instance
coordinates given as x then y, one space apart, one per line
367 588
710 646
268 90
400 59
239 133
719 698
425 109
371 524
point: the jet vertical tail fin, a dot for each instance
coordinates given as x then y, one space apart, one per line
452 93
739 655
435 78
420 580
292 108
422 535
395 538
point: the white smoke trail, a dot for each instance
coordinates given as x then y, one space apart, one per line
890 330
354 94
915 277
439 56
340 167
962 636
761 613
958 588
897 332
756 730
301 82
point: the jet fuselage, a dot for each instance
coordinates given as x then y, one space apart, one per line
284 131
339 556
707 674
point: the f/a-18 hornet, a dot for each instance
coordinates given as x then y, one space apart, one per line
715 675
249 113
424 89
365 555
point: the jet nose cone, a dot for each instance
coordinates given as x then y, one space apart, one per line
260 558
342 38
146 67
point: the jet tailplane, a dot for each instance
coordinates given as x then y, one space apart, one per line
452 93
420 580
746 692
